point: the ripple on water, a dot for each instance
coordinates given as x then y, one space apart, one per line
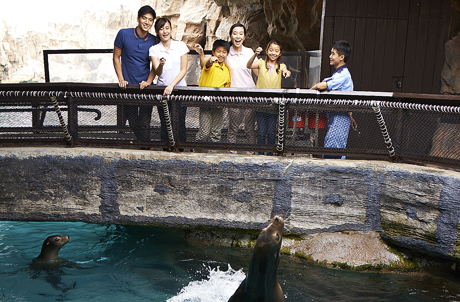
133 263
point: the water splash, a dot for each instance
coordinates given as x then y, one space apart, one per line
220 286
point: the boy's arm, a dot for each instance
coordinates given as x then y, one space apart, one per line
319 86
211 61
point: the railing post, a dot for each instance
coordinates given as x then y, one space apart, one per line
72 119
281 124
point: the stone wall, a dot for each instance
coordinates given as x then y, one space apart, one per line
415 207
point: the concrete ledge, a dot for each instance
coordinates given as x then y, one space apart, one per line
416 207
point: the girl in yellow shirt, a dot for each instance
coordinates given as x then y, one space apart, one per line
270 72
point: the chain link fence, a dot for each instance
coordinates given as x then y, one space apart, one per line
422 128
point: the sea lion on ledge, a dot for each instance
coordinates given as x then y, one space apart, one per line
50 249
261 283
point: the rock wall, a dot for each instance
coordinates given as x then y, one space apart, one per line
296 23
450 76
415 207
21 53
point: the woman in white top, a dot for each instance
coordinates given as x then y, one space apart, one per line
169 59
241 77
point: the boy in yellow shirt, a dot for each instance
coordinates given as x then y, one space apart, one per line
215 73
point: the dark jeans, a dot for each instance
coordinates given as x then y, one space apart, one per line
266 123
139 120
182 128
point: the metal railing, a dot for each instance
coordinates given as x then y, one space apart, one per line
413 127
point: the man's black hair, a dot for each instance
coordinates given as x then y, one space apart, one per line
222 43
343 48
146 9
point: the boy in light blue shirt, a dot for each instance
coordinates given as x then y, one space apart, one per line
338 123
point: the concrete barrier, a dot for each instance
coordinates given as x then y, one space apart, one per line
414 206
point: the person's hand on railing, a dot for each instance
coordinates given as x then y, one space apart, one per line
143 85
122 84
168 90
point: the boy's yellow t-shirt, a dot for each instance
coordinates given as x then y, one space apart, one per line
215 76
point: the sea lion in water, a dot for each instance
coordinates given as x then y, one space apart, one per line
48 265
50 249
261 283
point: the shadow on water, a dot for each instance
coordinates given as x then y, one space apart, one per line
134 263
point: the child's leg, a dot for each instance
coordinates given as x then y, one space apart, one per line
271 128
217 116
235 118
262 127
338 127
205 124
249 119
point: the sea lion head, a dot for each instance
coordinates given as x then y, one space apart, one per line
271 235
51 247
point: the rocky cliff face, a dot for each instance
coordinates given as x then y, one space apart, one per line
450 75
21 53
295 22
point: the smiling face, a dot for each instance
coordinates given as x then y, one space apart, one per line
145 22
237 37
165 32
273 52
335 59
221 54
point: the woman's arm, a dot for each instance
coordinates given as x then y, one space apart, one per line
158 65
180 76
200 51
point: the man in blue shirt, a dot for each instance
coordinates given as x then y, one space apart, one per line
132 65
338 123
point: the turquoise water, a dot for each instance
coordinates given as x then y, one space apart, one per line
132 263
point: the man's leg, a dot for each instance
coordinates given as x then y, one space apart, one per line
145 116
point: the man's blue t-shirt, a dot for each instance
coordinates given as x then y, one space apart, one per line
340 80
135 60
